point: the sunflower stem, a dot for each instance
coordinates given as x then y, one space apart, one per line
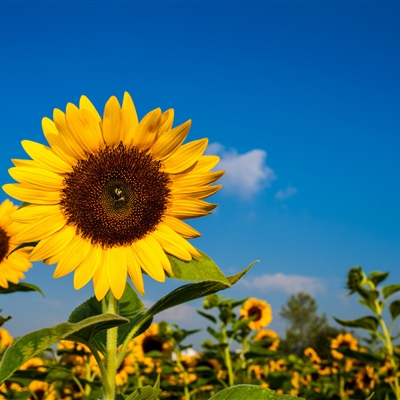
111 351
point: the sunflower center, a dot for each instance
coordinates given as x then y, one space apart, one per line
151 344
4 244
116 196
255 311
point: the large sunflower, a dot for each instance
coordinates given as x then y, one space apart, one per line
12 267
108 197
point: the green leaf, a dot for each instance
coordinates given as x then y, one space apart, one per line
377 277
202 269
208 316
241 392
365 358
130 306
145 393
193 291
394 309
390 289
3 320
33 343
370 396
20 287
369 322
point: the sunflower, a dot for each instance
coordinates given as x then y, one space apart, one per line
12 266
312 355
262 311
42 390
108 197
343 340
271 344
5 339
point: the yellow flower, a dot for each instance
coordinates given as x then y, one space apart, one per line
35 363
5 338
149 341
261 309
312 355
268 334
42 390
108 197
343 340
126 368
13 266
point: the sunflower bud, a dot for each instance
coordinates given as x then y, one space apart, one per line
355 279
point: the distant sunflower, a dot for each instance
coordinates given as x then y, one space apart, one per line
262 311
312 355
5 339
271 344
108 197
13 266
343 340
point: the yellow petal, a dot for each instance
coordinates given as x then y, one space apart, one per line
86 104
45 157
71 141
146 132
130 120
84 273
116 267
185 156
199 192
37 178
112 121
196 178
72 257
189 208
168 143
30 195
170 234
41 229
149 262
33 212
166 122
54 244
100 280
171 246
86 130
59 147
157 250
206 163
134 270
181 227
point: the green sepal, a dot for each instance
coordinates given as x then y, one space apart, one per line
3 320
376 277
27 346
145 393
197 269
390 289
21 246
394 309
369 323
240 392
20 287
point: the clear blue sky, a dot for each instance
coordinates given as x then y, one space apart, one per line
300 99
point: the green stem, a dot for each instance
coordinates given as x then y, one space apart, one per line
227 357
111 351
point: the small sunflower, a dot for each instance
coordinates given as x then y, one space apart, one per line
108 197
343 340
268 334
312 355
13 266
5 339
262 311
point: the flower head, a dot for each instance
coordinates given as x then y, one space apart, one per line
273 342
108 197
343 340
14 265
258 308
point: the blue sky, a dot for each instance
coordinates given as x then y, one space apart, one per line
300 100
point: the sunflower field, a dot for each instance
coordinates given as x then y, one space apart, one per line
105 200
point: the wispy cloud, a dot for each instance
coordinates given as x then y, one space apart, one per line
284 194
246 174
290 284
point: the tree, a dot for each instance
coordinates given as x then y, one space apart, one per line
305 327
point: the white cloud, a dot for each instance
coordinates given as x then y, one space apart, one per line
285 194
290 284
246 174
180 313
